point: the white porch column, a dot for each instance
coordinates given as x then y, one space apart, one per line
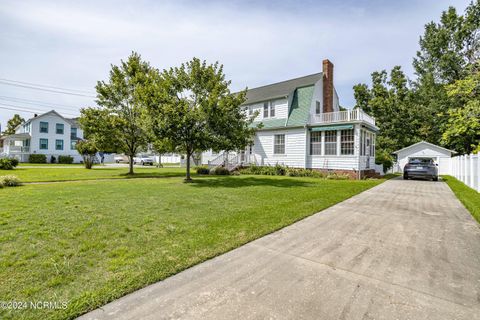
322 145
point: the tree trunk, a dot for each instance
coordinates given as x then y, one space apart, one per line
188 178
160 160
130 170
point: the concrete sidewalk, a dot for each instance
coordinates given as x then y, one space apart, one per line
402 250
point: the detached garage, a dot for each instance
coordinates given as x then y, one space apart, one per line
425 149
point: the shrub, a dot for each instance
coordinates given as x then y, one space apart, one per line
8 163
280 170
88 150
220 171
37 158
383 157
65 159
9 181
53 159
301 172
14 161
202 170
336 176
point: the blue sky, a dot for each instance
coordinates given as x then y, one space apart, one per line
72 44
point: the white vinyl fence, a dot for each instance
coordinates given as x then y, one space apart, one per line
467 169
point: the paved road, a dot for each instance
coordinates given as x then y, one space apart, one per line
402 250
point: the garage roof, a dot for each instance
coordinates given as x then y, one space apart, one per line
424 142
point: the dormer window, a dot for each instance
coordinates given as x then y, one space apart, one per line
272 108
269 109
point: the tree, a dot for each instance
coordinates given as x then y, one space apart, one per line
198 112
161 147
119 122
391 101
447 48
88 149
463 127
13 123
424 109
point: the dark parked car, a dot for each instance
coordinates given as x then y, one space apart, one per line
421 168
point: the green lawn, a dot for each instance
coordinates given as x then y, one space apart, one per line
80 173
90 242
469 197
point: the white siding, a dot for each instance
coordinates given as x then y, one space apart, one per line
332 162
318 96
52 136
281 109
294 147
336 101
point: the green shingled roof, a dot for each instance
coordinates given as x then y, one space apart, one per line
270 123
298 111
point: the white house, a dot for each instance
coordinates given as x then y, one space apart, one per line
300 124
424 149
49 133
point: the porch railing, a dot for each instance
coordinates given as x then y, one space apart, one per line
233 160
342 116
17 149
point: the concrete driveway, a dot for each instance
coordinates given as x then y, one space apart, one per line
402 250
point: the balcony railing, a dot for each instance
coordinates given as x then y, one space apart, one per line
17 149
342 116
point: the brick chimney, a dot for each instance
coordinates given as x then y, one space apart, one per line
327 86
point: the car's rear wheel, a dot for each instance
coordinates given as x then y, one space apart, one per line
405 177
435 178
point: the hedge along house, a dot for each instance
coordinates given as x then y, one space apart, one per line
300 124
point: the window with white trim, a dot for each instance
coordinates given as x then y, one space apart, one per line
43 127
272 108
265 109
346 142
318 109
279 144
43 144
316 143
330 142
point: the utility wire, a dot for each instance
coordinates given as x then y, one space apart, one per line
47 86
30 110
47 90
39 103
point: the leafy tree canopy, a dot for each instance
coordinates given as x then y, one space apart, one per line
13 123
197 111
120 121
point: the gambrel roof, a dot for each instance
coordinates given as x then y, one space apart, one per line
280 89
